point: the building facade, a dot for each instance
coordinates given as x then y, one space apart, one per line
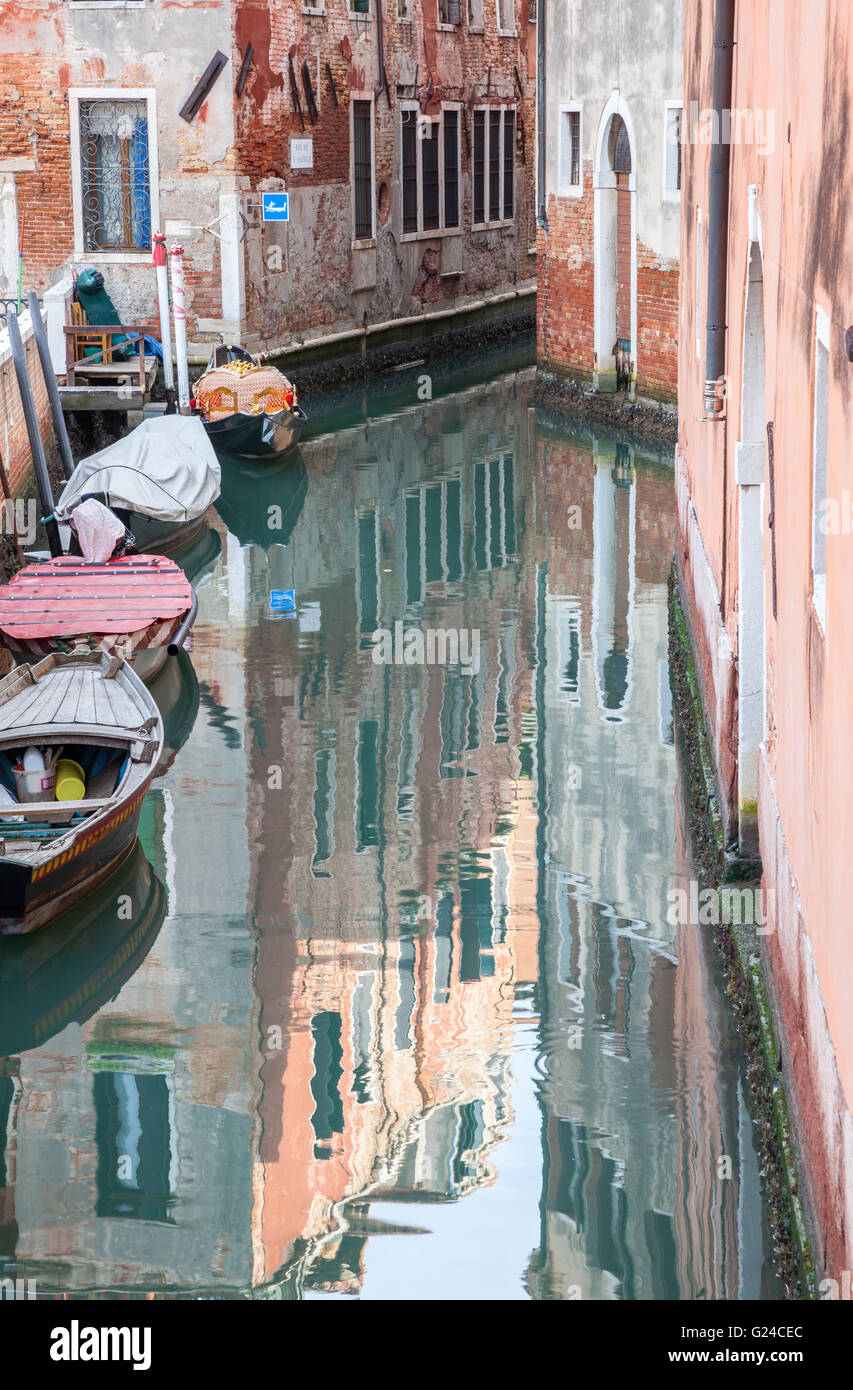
765 555
610 197
402 134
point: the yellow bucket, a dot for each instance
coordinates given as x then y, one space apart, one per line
70 780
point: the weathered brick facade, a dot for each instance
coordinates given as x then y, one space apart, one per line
268 282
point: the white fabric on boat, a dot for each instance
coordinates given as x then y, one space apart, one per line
98 531
165 468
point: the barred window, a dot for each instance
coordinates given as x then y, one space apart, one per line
570 150
430 170
450 11
362 133
494 165
115 175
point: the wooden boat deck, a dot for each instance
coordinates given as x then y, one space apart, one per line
66 597
75 698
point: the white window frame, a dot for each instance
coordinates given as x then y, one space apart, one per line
75 96
820 459
569 190
362 243
670 194
506 33
494 221
440 231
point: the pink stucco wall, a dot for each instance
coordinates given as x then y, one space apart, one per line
793 66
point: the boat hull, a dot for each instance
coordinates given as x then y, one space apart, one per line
257 436
33 896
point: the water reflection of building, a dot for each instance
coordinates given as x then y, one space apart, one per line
368 864
636 1117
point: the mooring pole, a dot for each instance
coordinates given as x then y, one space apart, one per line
49 375
179 312
165 326
34 435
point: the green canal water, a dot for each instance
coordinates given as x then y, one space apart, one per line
388 1002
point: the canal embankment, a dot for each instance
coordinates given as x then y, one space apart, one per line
738 944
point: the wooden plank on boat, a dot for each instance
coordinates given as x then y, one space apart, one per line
66 597
53 810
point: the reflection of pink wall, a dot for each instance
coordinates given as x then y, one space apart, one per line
794 61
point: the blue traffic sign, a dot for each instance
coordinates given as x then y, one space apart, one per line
275 207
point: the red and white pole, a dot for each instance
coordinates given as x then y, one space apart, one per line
179 312
165 326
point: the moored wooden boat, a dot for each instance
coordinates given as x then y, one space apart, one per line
93 708
128 607
238 411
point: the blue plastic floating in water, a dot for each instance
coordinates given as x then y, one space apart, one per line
283 600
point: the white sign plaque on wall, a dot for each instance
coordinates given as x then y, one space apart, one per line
301 154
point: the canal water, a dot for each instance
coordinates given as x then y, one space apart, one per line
388 1002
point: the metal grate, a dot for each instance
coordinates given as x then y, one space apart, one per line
363 169
410 170
479 166
429 175
451 168
509 165
115 175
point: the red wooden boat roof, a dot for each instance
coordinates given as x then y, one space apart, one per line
67 597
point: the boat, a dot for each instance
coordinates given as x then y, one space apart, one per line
249 410
90 709
65 972
159 480
139 608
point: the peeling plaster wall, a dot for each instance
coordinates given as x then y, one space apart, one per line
51 47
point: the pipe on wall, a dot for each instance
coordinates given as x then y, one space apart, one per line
718 210
541 214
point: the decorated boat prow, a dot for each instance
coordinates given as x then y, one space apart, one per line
249 410
80 739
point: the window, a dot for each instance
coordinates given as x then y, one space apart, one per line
494 165
404 9
450 11
672 152
820 448
359 7
114 174
569 176
362 168
430 153
475 14
506 16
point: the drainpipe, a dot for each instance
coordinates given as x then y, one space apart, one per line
718 210
541 216
380 45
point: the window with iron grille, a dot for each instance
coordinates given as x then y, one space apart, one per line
494 165
570 150
362 136
450 11
430 170
115 182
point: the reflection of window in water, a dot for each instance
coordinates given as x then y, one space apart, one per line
134 1143
475 706
613 969
506 675
324 805
406 1006
367 784
475 928
500 905
433 535
409 746
368 573
362 1043
454 698
494 512
569 648
328 1117
443 948
470 1130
